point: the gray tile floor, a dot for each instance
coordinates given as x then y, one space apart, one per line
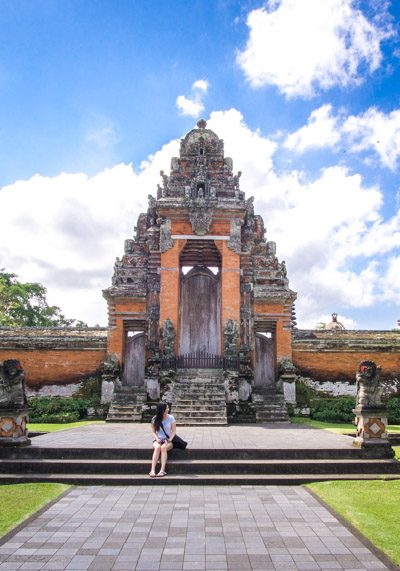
188 528
261 436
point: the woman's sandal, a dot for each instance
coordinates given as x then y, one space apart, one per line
152 474
161 474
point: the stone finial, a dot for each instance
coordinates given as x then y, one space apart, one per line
202 124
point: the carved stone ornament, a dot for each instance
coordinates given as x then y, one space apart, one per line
168 338
369 389
235 240
200 219
12 385
231 333
166 242
13 405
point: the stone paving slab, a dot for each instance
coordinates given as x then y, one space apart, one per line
259 436
186 528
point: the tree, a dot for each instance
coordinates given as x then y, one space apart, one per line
25 304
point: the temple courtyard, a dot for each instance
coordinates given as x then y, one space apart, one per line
215 510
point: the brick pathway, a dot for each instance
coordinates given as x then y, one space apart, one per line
216 528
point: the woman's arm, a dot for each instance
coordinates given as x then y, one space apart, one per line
173 431
153 431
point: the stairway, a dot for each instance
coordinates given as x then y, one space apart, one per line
199 397
269 406
126 406
127 466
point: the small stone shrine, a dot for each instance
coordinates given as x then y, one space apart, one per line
371 413
200 309
13 405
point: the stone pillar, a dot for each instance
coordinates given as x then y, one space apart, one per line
14 427
13 405
371 413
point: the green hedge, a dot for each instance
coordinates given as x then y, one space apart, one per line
340 409
58 409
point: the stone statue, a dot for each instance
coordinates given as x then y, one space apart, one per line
369 389
168 338
231 333
12 385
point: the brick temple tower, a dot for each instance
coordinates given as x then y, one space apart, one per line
200 310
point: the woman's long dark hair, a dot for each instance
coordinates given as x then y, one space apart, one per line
161 408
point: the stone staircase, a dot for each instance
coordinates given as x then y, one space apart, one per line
127 466
127 405
269 406
199 397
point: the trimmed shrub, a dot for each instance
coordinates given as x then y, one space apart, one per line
57 409
338 409
393 405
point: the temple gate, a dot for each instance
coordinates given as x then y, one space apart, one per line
200 310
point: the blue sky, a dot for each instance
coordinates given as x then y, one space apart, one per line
94 97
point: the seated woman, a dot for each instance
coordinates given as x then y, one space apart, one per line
163 427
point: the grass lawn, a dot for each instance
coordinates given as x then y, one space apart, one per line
42 427
341 428
370 506
19 501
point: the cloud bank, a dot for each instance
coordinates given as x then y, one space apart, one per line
306 46
66 231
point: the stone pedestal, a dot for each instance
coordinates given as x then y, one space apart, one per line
371 428
14 427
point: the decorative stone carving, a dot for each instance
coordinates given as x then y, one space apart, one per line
168 338
235 239
200 218
13 405
110 377
166 242
371 414
369 389
231 332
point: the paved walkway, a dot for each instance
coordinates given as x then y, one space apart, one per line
259 436
188 528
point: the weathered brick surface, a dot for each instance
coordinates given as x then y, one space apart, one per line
330 355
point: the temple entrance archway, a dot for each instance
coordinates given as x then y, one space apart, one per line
200 298
200 327
264 369
134 362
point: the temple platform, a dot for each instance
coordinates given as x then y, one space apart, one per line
239 454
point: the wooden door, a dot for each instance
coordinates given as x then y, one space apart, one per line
200 328
264 370
134 363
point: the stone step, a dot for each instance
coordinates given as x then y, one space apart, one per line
189 466
223 454
192 479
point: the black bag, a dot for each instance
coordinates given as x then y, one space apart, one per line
178 442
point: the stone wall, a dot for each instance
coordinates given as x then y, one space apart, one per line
55 360
333 356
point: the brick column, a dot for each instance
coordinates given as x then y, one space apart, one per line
230 285
169 286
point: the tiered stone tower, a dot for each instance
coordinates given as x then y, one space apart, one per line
200 310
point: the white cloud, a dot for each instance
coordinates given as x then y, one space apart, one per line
378 131
302 46
66 231
193 106
372 130
321 131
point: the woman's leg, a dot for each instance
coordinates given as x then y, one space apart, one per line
164 455
156 455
